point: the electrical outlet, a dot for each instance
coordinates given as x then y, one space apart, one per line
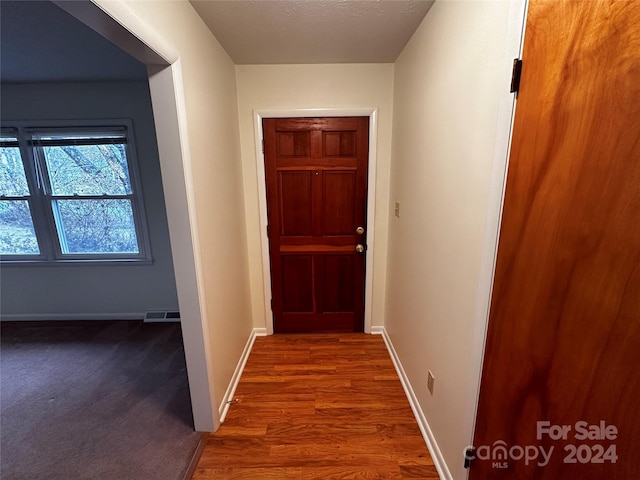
430 381
397 209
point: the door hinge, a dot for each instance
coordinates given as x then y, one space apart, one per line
516 71
272 304
469 456
263 146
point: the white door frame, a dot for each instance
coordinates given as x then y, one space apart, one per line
372 113
116 22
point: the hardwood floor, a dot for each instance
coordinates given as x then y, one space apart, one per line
318 407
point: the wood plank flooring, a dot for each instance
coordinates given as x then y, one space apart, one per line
318 407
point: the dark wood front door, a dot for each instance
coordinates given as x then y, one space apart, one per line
563 343
316 173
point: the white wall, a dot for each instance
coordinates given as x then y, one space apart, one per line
450 83
108 291
203 79
273 87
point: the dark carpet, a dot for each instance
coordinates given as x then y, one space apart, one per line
94 400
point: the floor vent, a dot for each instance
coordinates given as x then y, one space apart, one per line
162 316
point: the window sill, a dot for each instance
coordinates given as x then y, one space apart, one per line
77 262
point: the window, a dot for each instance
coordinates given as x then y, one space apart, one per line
17 234
70 194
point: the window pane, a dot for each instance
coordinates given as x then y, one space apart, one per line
88 169
13 182
96 226
17 236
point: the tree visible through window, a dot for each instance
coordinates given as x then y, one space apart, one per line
82 195
17 234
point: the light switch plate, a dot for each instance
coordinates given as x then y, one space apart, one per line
430 382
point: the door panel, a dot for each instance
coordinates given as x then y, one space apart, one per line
297 283
563 340
295 202
316 170
293 144
339 202
339 144
337 278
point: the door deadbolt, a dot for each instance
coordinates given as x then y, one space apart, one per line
360 230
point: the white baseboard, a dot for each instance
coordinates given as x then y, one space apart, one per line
429 438
43 317
235 378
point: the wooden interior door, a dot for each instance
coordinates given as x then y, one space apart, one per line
563 341
316 175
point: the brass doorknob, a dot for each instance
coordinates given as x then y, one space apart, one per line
360 230
359 248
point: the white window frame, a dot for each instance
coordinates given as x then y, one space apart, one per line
41 200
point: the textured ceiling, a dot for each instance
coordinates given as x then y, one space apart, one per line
39 42
312 31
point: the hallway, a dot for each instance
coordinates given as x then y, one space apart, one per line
320 406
